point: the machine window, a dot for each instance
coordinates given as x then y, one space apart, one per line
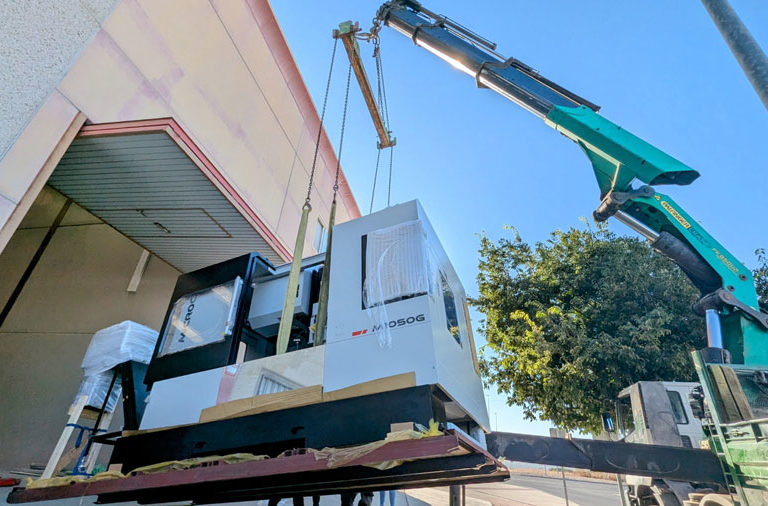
202 318
625 415
394 264
451 314
678 410
320 239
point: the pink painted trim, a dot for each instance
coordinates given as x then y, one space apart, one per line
265 18
175 132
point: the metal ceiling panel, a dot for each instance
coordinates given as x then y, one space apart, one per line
148 189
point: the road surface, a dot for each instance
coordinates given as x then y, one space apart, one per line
518 491
528 491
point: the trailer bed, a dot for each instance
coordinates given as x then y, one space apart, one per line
435 461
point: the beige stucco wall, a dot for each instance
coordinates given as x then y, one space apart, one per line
204 63
78 287
40 40
207 65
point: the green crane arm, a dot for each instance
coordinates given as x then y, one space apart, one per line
619 159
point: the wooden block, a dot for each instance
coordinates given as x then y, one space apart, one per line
115 467
401 426
129 433
263 403
89 413
395 382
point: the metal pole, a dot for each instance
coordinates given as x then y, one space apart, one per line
620 483
714 331
752 59
565 487
454 493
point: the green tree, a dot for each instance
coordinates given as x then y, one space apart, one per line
761 278
571 321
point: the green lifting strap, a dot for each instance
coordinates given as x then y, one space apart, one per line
322 304
286 320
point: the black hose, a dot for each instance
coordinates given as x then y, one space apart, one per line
698 271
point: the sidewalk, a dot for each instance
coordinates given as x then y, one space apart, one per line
491 494
330 500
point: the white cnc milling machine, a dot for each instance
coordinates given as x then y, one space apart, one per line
396 309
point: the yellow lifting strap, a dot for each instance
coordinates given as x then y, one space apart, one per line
322 303
286 320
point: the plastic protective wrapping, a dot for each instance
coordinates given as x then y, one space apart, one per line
397 267
202 318
117 344
396 262
96 387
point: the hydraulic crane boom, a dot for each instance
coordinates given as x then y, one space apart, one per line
618 159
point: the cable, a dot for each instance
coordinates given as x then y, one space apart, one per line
389 188
382 90
375 176
320 127
341 136
383 106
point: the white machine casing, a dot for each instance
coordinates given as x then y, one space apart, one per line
395 320
396 305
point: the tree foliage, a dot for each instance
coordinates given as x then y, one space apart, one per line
571 321
760 275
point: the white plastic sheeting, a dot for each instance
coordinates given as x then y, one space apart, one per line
397 267
96 387
117 344
396 263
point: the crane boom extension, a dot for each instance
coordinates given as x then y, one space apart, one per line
347 32
618 159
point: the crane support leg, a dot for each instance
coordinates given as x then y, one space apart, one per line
668 462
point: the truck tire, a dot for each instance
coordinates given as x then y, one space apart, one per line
708 500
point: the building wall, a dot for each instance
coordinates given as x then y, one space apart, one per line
222 70
40 40
78 287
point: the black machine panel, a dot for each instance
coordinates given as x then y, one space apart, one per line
271 433
205 318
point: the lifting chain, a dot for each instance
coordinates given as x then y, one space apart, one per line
322 303
341 136
383 107
320 127
286 318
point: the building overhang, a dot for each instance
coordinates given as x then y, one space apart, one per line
148 180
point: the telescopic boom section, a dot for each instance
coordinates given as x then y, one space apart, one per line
474 55
619 159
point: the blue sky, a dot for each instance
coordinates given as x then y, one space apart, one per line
478 162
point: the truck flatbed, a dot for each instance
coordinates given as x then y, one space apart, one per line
432 461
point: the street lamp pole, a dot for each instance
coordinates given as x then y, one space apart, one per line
752 59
